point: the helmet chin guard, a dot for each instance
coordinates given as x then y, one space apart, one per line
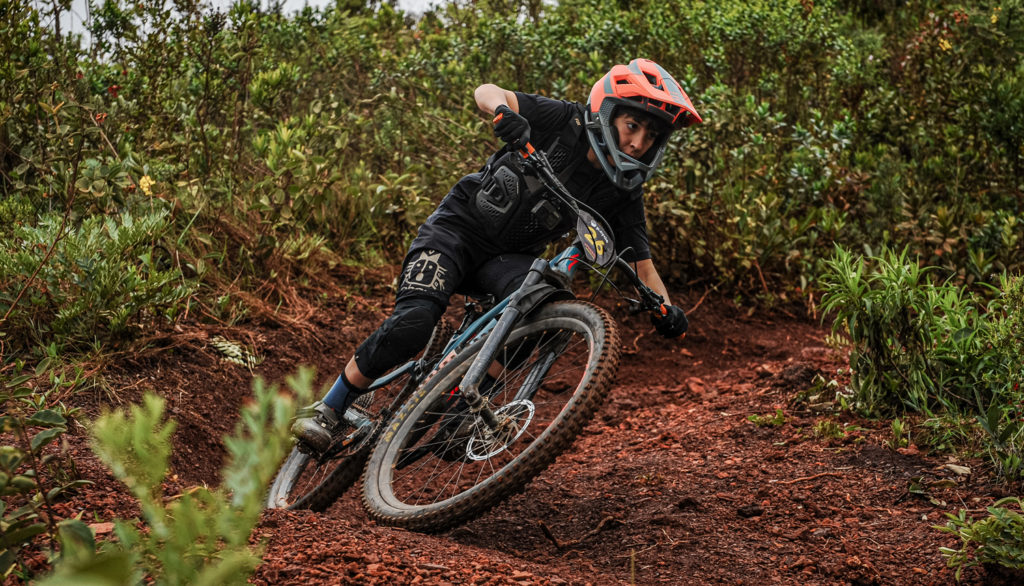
644 86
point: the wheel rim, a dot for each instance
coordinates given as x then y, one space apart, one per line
303 474
544 365
305 480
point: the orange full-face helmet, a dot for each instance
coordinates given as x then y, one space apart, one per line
645 86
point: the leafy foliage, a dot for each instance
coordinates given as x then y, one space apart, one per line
920 346
98 282
779 418
202 535
31 477
915 344
284 141
1003 417
996 539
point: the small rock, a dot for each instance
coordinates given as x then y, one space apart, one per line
687 502
101 528
822 532
749 511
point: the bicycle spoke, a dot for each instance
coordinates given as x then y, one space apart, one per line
533 361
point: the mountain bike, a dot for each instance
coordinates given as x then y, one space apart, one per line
540 341
513 388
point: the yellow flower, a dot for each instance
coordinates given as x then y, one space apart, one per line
945 45
145 183
995 18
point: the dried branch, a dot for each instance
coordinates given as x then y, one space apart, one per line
563 544
795 480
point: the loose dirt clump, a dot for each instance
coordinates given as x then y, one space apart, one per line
703 466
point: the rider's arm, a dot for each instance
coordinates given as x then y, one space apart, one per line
489 96
649 275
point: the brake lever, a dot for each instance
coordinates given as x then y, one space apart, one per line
540 164
652 301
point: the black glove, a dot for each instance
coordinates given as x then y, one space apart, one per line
671 325
511 127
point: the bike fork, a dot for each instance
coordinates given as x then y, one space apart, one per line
470 385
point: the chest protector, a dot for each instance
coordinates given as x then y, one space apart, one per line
514 207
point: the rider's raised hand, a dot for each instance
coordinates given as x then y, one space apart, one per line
511 127
672 323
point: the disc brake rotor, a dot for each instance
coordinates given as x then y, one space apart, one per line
486 443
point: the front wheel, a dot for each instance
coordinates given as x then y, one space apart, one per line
437 465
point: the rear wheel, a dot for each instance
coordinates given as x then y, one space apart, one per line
311 481
438 465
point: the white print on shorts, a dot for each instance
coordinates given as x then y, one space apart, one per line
425 272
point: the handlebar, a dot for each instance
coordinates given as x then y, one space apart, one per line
649 300
537 160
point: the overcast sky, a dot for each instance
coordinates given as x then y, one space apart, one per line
79 11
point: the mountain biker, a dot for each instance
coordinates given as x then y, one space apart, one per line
486 232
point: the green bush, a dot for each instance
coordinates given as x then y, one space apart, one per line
927 346
337 130
916 345
95 283
198 537
1002 416
996 539
284 144
32 477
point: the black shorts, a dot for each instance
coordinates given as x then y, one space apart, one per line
435 275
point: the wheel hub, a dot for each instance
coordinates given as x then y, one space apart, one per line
514 417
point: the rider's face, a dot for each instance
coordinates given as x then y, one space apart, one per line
635 136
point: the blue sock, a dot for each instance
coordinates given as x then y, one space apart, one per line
341 394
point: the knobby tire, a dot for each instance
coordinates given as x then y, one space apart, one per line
435 465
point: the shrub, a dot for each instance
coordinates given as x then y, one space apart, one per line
337 130
198 537
96 283
1001 411
923 346
915 345
32 477
997 539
